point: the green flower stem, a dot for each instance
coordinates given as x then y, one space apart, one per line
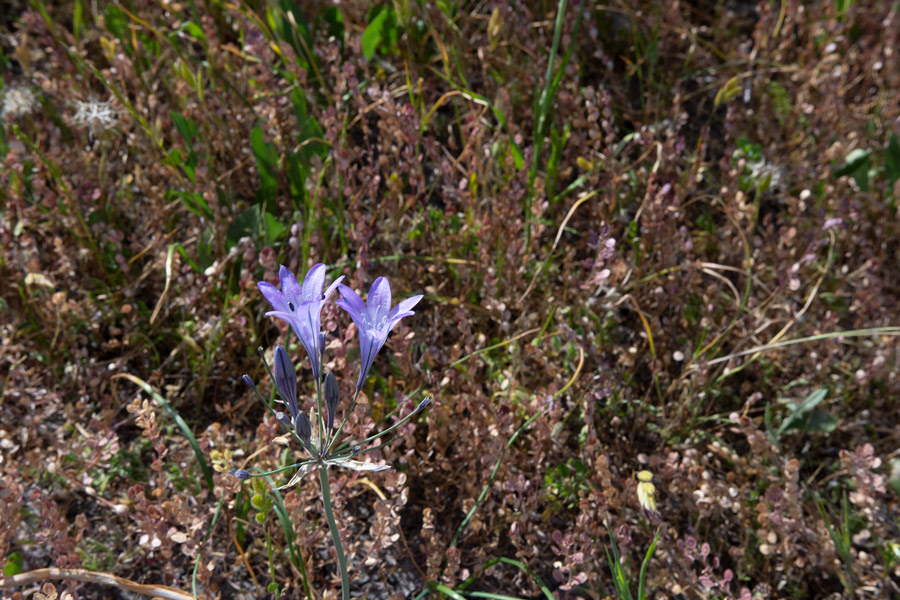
395 425
282 469
335 534
320 421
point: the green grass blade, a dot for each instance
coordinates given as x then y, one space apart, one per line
551 85
615 567
207 472
285 521
509 444
493 474
515 563
642 578
443 589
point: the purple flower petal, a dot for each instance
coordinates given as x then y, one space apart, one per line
333 286
406 306
275 297
379 300
350 301
370 343
403 310
290 289
331 395
313 283
304 428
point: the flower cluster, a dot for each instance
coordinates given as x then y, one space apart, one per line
97 116
301 307
17 102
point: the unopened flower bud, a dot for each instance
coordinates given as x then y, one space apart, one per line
286 379
331 399
304 428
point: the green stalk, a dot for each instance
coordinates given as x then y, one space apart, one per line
391 428
335 534
542 106
320 421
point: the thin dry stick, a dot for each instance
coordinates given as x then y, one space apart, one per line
749 273
169 256
809 299
559 233
717 266
737 295
643 321
775 341
241 553
41 575
892 331
412 558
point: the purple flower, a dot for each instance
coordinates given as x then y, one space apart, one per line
301 306
374 319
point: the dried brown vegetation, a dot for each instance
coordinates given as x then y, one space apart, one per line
652 276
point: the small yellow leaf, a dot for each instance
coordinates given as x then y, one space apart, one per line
38 279
109 48
728 91
495 25
584 164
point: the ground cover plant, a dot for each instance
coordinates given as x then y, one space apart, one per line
657 248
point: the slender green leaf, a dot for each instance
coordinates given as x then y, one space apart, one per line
382 29
642 578
289 535
77 21
207 472
799 412
443 589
